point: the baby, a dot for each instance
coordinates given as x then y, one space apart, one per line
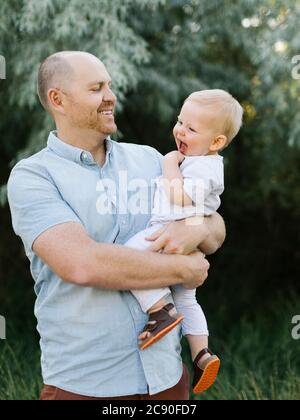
191 185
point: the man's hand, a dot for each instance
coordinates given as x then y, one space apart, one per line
179 237
185 236
196 271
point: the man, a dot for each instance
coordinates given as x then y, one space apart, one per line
87 320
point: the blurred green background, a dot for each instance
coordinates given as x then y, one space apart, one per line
157 53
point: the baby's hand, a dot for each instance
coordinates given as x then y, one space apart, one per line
181 157
175 155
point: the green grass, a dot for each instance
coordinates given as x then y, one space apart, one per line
260 360
20 377
271 373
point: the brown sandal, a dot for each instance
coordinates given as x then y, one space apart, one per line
205 373
159 324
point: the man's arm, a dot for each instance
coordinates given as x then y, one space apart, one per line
183 237
76 258
216 234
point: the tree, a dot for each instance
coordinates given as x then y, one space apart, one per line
31 30
246 47
158 52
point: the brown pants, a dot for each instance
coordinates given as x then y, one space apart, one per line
177 392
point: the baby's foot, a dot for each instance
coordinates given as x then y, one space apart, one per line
144 335
159 324
206 367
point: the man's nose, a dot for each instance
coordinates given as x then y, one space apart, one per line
109 96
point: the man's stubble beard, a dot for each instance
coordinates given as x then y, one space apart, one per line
92 122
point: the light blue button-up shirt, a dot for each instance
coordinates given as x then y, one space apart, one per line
89 335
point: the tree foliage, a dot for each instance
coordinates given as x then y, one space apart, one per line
33 29
157 53
245 47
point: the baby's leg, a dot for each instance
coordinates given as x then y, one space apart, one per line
197 343
194 325
149 299
163 317
206 364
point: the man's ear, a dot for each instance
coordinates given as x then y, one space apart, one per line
55 99
218 143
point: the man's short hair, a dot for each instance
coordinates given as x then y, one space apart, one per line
227 108
54 72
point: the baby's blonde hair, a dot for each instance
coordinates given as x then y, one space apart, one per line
229 109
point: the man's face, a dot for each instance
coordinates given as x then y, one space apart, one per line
89 102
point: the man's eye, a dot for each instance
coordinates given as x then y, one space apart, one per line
96 89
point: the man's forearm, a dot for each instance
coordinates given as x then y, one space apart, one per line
76 258
122 268
216 233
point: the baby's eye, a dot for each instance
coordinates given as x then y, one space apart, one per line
191 129
179 122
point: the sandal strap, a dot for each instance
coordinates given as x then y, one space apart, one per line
150 326
157 318
168 307
201 354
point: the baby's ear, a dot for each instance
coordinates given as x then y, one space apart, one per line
218 143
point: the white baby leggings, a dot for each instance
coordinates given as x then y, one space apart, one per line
194 322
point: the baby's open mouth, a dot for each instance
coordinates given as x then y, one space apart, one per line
182 147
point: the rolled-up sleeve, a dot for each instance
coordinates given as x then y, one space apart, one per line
35 203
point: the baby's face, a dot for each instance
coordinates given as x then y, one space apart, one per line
195 129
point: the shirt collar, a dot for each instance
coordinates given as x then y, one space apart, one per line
76 154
